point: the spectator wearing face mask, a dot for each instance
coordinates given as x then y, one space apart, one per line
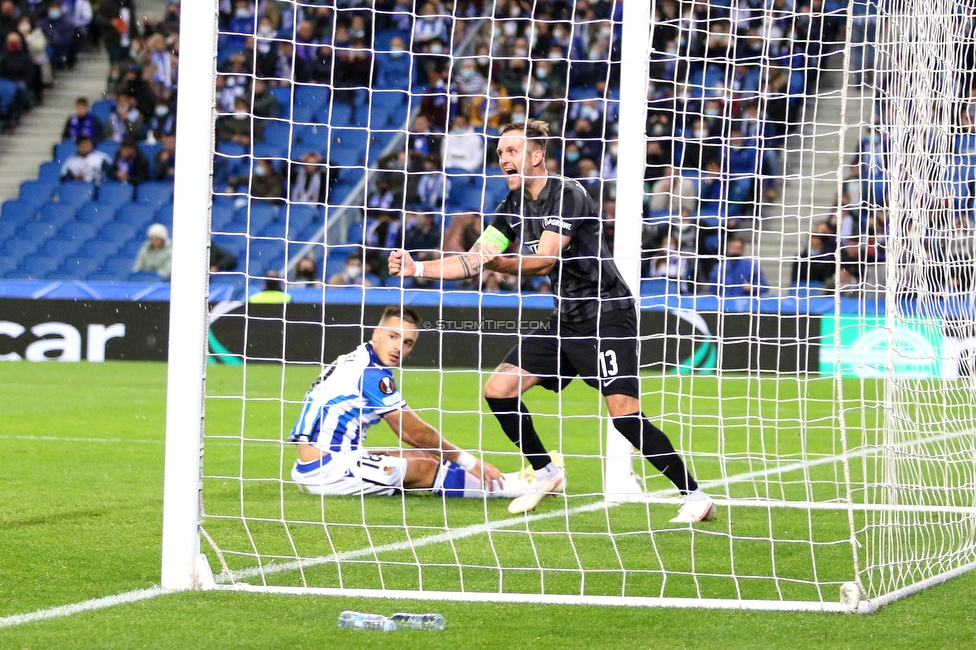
16 65
572 158
352 274
61 36
265 183
125 120
306 274
37 48
393 67
240 26
429 27
738 275
163 121
238 127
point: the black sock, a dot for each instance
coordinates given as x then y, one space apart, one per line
656 448
517 425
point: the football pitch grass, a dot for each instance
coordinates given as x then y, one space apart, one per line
81 519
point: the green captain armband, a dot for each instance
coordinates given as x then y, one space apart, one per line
492 235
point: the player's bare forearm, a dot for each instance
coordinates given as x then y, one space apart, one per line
526 266
452 267
537 264
408 426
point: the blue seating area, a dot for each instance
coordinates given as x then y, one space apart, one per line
85 231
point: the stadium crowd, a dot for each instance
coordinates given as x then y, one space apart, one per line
728 82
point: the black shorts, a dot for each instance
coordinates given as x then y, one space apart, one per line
605 357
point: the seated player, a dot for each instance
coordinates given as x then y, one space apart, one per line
350 396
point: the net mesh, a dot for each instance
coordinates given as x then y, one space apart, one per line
806 266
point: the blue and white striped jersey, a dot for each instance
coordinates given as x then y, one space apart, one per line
350 396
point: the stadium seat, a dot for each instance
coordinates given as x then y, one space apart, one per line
49 172
15 212
7 228
144 276
257 215
231 150
108 147
154 194
36 231
8 265
221 217
36 193
304 114
276 132
118 266
355 233
99 250
313 137
353 138
378 142
37 267
18 247
103 109
275 228
79 230
64 150
79 268
95 212
283 95
314 96
165 213
235 245
275 149
118 231
8 94
75 193
137 214
115 193
56 214
264 254
59 247
340 115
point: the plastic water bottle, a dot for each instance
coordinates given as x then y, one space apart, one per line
357 621
419 621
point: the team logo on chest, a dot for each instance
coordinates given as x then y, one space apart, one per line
386 386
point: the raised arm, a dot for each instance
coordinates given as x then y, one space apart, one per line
451 267
408 426
538 263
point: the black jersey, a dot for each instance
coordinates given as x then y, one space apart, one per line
585 280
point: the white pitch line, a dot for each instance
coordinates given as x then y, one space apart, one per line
85 606
152 592
446 536
113 441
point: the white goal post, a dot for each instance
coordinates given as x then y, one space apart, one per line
833 421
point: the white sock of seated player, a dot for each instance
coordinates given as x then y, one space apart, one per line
454 481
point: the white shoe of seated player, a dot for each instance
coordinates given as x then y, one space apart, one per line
698 506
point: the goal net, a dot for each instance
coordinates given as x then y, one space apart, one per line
787 187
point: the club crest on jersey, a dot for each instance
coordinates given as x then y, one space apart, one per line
386 386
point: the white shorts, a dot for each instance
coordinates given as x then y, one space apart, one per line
351 473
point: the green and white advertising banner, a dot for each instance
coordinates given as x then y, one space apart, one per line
866 346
